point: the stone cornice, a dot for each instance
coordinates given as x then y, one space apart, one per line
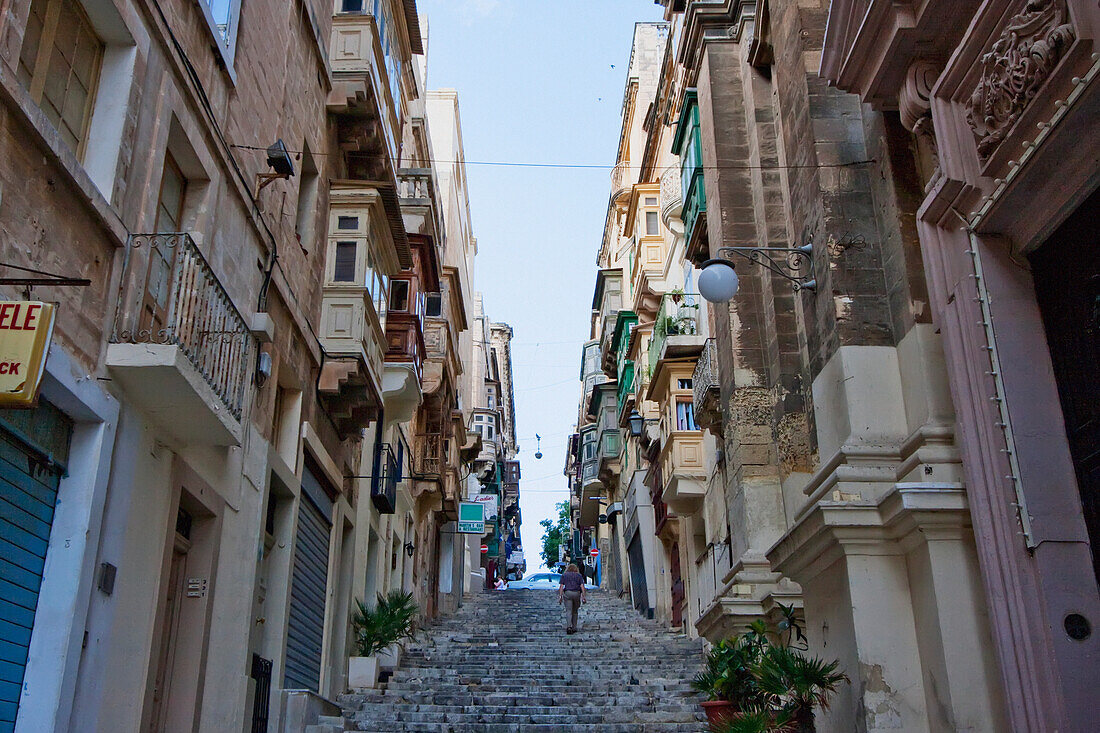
716 20
910 514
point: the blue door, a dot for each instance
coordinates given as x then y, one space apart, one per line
33 447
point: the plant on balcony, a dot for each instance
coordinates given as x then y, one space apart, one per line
378 635
757 685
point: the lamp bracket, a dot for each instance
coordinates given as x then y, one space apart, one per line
794 264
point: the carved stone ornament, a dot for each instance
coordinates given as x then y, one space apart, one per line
1016 67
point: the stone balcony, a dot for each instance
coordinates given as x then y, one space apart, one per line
416 190
671 198
179 347
621 182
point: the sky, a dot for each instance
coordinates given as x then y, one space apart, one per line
539 81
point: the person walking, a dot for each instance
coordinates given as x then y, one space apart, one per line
572 593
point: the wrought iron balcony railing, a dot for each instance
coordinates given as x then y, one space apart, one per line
170 295
678 315
387 474
705 388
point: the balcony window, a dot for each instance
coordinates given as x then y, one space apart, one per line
59 64
344 266
652 228
399 296
685 415
434 305
173 188
377 285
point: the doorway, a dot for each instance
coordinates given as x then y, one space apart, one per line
1066 270
677 586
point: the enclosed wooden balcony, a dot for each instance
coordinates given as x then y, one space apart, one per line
684 472
179 347
360 258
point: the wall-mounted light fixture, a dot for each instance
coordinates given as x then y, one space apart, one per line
718 281
637 423
410 548
278 157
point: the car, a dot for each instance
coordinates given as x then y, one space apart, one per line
545 581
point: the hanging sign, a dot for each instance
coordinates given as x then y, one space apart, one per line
489 501
471 518
25 331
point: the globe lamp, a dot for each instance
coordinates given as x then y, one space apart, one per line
718 281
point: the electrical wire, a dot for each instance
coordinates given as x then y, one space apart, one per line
593 166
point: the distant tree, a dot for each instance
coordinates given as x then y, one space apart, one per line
555 534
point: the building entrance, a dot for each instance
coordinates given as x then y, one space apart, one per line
1067 285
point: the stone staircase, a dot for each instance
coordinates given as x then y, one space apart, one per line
503 663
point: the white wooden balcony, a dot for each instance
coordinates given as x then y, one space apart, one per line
683 471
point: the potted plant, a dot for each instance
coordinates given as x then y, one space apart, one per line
727 677
756 686
797 684
377 630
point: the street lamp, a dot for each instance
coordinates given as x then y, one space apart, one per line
637 422
718 281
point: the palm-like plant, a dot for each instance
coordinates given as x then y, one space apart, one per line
757 720
391 621
797 684
728 672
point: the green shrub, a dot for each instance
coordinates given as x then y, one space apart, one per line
391 621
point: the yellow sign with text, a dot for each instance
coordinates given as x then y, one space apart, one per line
25 330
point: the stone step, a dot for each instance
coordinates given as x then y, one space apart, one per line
503 663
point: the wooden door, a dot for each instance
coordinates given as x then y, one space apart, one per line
1067 285
169 631
677 587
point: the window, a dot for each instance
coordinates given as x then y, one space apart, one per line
307 201
59 64
173 188
651 226
434 307
377 284
399 295
224 14
351 6
344 267
685 416
347 223
683 384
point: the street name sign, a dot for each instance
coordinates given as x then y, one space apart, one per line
471 518
25 331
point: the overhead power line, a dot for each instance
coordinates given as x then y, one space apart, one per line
594 166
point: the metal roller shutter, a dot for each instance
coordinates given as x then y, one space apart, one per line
33 446
306 625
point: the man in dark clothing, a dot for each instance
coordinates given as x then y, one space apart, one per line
572 592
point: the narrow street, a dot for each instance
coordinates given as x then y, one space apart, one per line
338 338
503 663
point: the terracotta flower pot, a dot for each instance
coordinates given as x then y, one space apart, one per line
718 711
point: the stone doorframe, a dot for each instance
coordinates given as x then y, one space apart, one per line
1000 107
